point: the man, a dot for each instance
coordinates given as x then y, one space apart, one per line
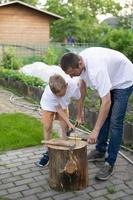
111 74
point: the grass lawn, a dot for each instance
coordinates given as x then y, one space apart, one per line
18 130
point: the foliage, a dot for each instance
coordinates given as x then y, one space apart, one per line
30 59
131 100
82 7
53 55
28 80
10 61
129 118
125 21
119 39
32 2
92 100
111 189
18 130
79 17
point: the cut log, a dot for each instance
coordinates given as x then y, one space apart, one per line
68 168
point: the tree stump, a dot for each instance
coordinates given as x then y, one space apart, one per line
68 166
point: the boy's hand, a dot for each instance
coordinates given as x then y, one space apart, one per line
71 129
71 126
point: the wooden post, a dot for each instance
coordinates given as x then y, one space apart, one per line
68 167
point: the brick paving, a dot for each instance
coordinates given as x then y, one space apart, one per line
21 179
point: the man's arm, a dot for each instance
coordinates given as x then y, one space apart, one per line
103 113
80 102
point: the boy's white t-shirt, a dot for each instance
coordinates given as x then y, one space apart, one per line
106 69
49 101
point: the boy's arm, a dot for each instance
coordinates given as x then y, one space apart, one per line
64 117
80 102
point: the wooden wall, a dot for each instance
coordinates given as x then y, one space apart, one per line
20 24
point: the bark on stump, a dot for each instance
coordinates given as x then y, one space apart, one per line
68 167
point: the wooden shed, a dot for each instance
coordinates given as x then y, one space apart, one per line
23 23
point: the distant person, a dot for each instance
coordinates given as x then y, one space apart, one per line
111 74
71 40
54 103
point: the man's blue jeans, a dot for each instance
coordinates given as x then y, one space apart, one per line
114 124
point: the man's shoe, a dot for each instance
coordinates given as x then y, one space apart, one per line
105 172
96 156
44 161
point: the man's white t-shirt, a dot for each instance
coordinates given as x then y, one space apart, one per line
49 101
106 69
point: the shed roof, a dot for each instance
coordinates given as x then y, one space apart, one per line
34 8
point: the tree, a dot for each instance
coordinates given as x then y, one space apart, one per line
126 18
121 40
79 17
31 2
97 6
126 21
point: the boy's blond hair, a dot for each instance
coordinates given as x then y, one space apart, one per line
56 83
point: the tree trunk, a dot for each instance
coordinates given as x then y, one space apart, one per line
68 167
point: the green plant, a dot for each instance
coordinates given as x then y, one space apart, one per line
53 55
92 100
28 80
30 59
129 118
111 189
10 61
119 39
131 99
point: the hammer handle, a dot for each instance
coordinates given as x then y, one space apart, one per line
77 138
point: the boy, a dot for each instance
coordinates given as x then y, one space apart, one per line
54 103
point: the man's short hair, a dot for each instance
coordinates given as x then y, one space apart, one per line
69 60
56 83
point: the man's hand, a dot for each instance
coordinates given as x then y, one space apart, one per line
78 122
92 139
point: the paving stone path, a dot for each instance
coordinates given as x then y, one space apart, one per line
21 179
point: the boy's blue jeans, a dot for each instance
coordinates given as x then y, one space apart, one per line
114 124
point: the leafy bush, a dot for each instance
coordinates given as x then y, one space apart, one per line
28 80
10 61
30 59
121 40
53 55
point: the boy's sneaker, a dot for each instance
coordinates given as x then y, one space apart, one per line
105 172
44 161
96 156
